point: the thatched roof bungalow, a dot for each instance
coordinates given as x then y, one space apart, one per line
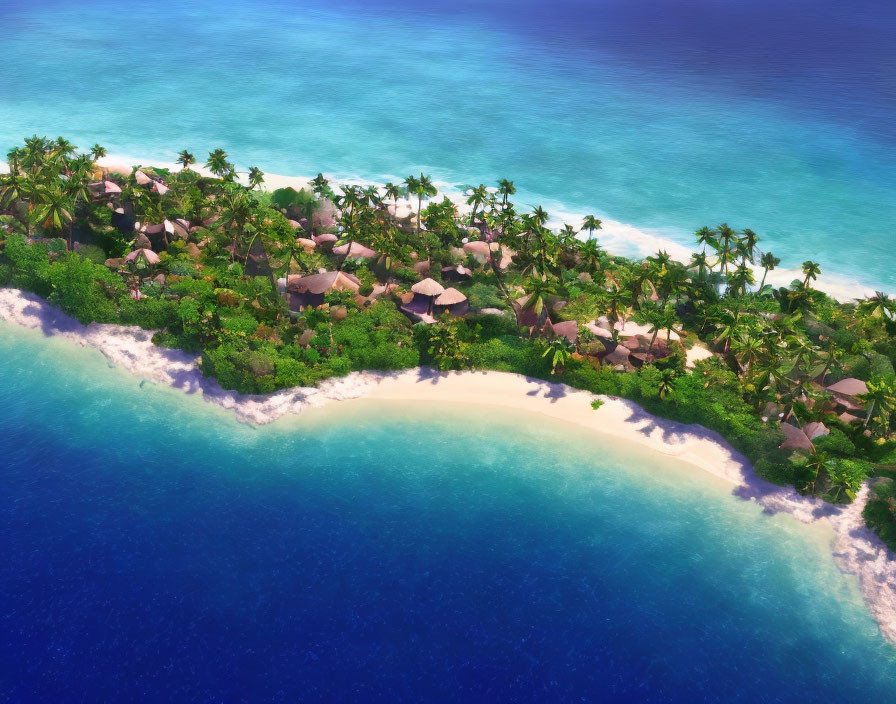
309 291
451 301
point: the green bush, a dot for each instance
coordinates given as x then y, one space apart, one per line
880 511
95 254
30 264
85 290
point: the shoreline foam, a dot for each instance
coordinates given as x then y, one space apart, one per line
616 237
856 549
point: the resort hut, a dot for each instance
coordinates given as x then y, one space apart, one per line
111 187
358 251
146 255
307 244
451 301
309 291
141 178
568 329
846 393
160 188
479 249
425 294
326 240
456 273
795 438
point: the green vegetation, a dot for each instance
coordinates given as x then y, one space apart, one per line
216 266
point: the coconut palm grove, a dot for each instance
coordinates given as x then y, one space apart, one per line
284 288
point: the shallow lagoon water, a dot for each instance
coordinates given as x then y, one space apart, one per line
663 114
158 550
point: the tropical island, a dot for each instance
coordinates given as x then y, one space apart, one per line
291 287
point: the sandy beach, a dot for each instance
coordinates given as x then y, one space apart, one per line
856 549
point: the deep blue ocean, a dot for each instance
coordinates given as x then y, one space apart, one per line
156 550
662 114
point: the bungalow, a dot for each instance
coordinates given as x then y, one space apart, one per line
451 301
309 291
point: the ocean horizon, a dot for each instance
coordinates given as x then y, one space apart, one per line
390 550
659 115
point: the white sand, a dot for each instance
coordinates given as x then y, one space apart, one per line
615 236
857 550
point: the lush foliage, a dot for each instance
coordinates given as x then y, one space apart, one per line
204 261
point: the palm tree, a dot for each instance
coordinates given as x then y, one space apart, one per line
394 192
540 289
421 186
185 159
747 245
818 463
660 319
768 261
705 237
97 152
539 215
217 163
55 210
882 397
700 263
591 255
591 224
320 186
667 382
811 270
726 238
256 177
478 196
506 189
740 278
879 306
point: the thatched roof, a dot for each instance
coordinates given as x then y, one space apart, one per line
150 256
815 430
849 387
568 329
358 251
428 287
794 438
321 283
111 187
449 297
160 188
142 178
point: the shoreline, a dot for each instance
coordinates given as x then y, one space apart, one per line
618 238
856 549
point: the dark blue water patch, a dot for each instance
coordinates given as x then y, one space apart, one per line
154 552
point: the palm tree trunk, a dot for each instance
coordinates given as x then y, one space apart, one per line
419 208
868 415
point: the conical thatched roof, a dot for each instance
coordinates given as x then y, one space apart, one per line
142 179
428 287
321 283
449 297
849 387
150 256
358 251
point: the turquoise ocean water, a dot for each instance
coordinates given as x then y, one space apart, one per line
157 550
663 114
